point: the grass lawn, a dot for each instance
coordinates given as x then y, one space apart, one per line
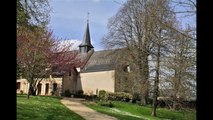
43 108
129 111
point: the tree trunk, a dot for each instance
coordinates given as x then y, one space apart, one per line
29 91
28 94
146 75
145 80
143 98
156 83
154 106
176 89
141 75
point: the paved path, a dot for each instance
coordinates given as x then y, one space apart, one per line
76 106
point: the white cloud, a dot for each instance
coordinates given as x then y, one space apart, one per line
75 43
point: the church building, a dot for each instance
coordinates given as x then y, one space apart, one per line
97 73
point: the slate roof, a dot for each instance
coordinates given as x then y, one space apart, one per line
86 38
99 61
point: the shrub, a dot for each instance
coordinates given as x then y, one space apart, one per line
126 91
119 96
150 101
91 97
107 104
122 96
80 92
102 94
67 93
136 96
189 104
110 96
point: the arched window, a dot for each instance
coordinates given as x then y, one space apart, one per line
127 68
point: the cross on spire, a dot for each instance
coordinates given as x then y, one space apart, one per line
88 17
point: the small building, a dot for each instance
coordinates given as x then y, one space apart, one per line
47 86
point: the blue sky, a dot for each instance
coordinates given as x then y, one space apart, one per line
69 18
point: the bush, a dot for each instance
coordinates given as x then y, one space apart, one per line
135 97
91 97
126 91
107 104
102 94
67 93
110 96
119 96
189 104
150 101
80 94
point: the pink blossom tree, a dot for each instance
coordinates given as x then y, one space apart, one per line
38 52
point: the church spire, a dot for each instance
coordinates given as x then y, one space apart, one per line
86 45
88 18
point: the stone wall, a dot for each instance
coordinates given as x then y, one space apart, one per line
70 81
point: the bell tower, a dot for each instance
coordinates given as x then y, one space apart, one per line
86 45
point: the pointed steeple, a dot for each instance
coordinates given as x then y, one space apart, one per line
86 39
86 45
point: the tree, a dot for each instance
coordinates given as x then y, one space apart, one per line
33 12
33 41
188 7
32 52
185 10
150 28
160 36
163 20
181 62
129 29
38 52
22 16
133 28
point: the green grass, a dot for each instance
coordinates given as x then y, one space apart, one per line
43 108
129 111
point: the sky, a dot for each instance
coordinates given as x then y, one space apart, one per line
69 17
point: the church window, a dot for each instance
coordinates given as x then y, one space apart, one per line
127 68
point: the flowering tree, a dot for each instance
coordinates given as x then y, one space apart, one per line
38 52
